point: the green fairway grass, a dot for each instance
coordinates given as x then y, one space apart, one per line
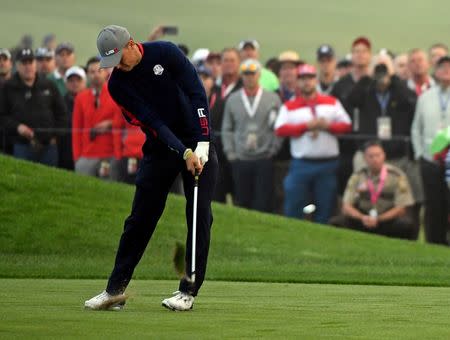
286 24
51 309
56 224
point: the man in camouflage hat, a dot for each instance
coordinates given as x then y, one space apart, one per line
377 197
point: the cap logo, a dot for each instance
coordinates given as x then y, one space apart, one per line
158 69
114 51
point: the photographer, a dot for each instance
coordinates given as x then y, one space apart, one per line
386 109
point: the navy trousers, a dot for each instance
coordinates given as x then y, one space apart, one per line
311 178
47 154
155 176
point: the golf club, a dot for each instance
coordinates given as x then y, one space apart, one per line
194 228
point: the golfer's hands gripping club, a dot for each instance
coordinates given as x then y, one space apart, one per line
193 163
201 157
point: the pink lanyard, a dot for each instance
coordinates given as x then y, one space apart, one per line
374 195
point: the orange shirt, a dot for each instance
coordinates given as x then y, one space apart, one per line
88 111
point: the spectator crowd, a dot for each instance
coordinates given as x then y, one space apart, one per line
356 142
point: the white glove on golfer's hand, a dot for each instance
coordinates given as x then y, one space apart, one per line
202 151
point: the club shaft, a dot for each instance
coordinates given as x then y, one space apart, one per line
194 230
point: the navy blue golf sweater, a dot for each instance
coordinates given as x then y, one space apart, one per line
164 95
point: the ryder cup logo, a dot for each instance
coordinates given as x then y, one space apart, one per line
158 69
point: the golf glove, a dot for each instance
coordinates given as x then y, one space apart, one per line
202 151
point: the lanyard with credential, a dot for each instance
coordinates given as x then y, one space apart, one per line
383 100
375 194
225 90
251 109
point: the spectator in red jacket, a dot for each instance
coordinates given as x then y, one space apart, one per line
93 114
127 141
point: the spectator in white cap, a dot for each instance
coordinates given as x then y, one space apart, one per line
326 61
199 56
5 66
65 59
249 49
75 79
248 139
45 61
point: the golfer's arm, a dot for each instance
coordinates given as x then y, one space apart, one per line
187 78
140 114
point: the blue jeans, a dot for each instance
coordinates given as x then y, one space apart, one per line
46 154
306 180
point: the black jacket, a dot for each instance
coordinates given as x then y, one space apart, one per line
217 108
39 106
400 109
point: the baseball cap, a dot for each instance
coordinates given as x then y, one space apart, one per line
250 66
289 57
48 38
325 51
5 52
344 63
443 60
214 55
75 71
199 55
380 71
244 43
64 46
362 40
110 42
203 70
25 54
306 69
44 52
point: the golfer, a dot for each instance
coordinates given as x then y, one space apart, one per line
158 89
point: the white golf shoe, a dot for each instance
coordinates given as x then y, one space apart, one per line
180 301
106 301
